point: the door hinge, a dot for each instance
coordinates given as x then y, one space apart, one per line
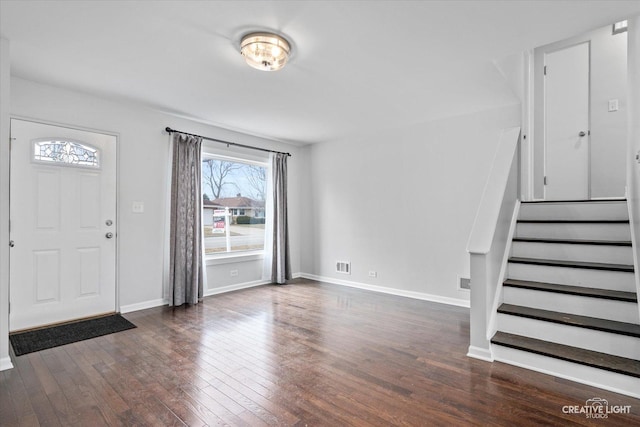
545 180
545 70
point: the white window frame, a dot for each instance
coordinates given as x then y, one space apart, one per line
237 256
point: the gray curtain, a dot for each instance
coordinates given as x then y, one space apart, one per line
186 264
280 265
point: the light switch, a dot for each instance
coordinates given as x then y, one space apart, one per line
613 105
137 207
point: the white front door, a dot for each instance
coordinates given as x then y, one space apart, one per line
63 212
567 123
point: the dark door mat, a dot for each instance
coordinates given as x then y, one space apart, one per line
42 339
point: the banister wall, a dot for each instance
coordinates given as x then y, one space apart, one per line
489 240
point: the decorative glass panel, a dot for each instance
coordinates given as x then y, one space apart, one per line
67 152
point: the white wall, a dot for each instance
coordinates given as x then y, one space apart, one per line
608 139
143 175
401 203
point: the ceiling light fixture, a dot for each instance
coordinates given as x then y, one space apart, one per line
265 51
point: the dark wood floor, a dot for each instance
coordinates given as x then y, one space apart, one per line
301 354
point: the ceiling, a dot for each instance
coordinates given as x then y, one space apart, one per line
356 68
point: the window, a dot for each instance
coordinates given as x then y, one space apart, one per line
233 200
65 153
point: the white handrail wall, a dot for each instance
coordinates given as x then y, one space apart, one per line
489 239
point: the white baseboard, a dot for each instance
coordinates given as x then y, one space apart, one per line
236 287
480 353
5 363
215 291
392 291
143 305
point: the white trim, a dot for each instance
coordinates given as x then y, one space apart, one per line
528 135
208 292
5 363
497 297
209 151
558 368
634 247
480 353
233 257
392 291
143 305
236 287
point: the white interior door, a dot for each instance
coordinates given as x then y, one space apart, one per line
567 123
63 212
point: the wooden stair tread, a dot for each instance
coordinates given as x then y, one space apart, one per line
573 221
621 328
573 290
621 365
573 264
574 241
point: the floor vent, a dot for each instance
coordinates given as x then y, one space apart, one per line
343 267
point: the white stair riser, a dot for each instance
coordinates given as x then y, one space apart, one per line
620 311
618 383
603 279
575 211
616 231
573 252
604 342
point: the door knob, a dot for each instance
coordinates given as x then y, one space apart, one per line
108 235
11 244
582 133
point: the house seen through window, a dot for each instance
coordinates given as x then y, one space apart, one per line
233 201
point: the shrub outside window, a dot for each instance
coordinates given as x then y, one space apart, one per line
233 201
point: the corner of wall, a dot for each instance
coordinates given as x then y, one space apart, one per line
5 134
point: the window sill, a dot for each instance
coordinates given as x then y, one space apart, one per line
230 258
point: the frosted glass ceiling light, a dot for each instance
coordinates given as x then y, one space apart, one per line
265 51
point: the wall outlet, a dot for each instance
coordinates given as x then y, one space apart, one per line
137 207
234 273
373 273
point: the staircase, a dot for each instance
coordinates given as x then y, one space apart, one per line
570 306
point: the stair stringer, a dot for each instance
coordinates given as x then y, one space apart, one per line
634 250
492 324
583 374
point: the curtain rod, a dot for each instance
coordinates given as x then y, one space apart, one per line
169 130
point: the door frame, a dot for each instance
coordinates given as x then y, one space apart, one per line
533 153
116 135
